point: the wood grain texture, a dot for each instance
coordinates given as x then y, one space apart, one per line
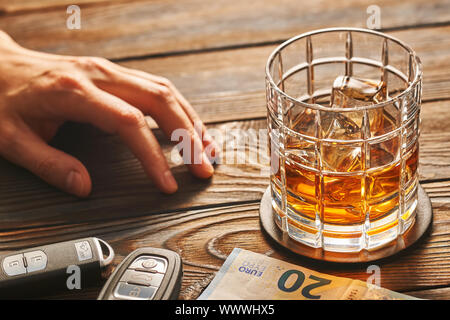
215 54
118 30
432 294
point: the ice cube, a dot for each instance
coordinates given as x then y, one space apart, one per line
298 148
341 158
340 126
336 157
349 92
304 122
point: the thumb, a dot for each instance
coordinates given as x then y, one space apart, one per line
51 165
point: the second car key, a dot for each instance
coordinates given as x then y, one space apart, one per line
145 274
65 265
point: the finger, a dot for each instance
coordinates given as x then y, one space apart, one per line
187 107
207 140
159 102
51 165
114 115
146 148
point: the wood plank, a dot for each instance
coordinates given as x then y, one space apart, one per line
10 7
120 188
229 85
118 30
432 294
205 237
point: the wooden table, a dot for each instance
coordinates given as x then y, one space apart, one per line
215 53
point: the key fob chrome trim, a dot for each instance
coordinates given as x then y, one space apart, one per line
109 258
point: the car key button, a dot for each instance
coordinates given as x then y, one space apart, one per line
149 264
134 292
13 265
36 260
84 251
142 278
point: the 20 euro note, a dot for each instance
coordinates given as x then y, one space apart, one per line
246 275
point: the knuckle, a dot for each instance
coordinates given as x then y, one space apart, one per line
163 92
132 117
165 82
91 63
62 81
166 98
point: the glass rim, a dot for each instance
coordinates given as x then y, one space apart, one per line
277 50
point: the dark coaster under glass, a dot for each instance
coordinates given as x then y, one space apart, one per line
416 231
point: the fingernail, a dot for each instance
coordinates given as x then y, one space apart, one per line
169 182
74 183
216 152
207 165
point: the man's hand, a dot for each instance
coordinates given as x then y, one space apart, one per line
39 92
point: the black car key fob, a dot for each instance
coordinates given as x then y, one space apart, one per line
145 274
60 266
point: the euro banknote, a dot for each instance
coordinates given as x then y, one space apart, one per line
246 275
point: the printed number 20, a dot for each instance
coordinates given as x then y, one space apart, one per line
306 291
